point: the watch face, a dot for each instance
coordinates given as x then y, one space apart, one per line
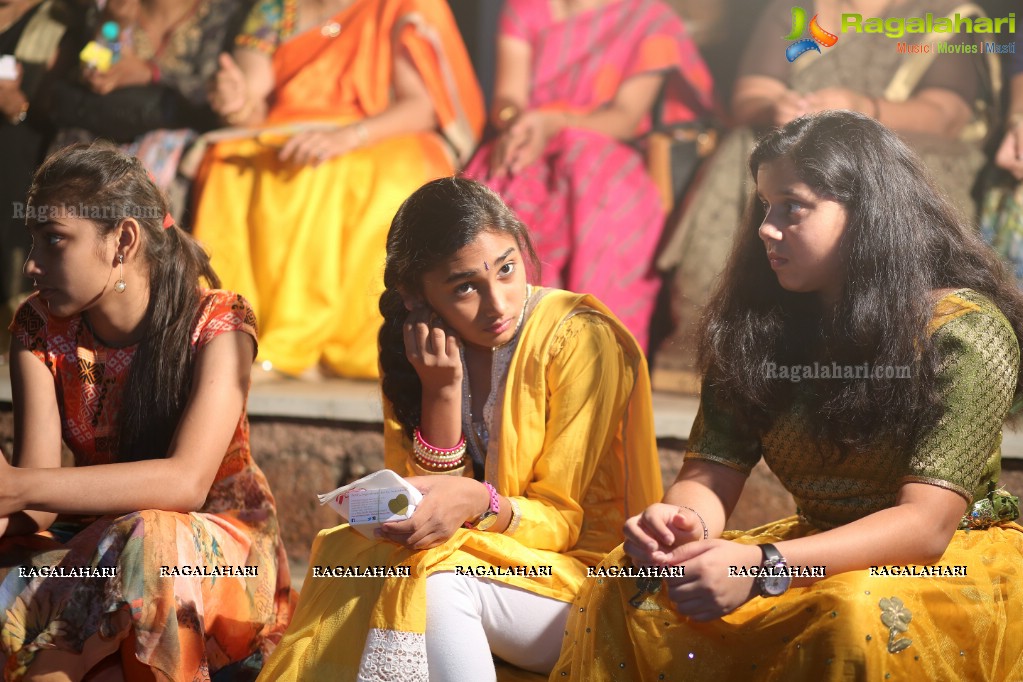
774 585
489 519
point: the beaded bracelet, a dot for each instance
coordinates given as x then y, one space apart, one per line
703 523
433 450
361 133
437 465
435 462
438 458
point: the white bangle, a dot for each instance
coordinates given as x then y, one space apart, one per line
361 133
516 517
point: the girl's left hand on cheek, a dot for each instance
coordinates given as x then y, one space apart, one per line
707 591
448 502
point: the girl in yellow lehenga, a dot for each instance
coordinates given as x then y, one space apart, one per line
360 104
552 396
870 357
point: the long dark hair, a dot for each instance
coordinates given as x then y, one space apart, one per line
432 224
107 186
903 240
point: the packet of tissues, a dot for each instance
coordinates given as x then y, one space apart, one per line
372 500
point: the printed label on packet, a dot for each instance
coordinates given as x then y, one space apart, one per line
379 506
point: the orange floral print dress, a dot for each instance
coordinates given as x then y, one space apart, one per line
220 624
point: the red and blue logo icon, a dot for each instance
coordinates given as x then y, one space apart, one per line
818 36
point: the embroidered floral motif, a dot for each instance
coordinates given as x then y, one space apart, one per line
896 617
643 599
394 655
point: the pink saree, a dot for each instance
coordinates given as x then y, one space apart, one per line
593 211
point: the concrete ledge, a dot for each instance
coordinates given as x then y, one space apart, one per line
358 402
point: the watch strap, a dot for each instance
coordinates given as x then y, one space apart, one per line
492 511
772 557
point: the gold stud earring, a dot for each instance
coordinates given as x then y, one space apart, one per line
120 285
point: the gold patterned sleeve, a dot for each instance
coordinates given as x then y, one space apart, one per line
715 437
978 370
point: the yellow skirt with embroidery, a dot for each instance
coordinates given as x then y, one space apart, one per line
851 626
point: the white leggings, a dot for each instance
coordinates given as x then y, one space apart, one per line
467 618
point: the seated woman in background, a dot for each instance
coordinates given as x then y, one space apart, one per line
536 404
153 98
44 38
873 378
377 97
1001 220
144 374
938 103
576 82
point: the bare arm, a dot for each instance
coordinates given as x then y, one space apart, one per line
241 89
764 101
1010 152
410 111
37 431
703 493
512 81
914 531
179 482
526 138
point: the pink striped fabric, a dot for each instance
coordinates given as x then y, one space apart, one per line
591 207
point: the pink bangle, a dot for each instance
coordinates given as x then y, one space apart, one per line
436 450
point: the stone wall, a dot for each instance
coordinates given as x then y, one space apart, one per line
303 458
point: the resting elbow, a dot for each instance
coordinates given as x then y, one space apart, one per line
932 542
935 548
192 497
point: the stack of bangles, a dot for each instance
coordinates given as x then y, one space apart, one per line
437 459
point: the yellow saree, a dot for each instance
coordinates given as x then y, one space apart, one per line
305 245
575 448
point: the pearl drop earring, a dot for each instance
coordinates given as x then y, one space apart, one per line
120 285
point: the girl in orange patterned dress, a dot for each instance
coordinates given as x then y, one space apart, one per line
157 555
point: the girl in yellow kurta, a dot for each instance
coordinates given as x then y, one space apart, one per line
539 399
357 109
870 356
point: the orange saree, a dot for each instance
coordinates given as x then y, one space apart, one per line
305 244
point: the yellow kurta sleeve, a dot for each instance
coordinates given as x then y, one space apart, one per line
588 387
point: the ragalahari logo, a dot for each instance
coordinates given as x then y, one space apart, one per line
817 36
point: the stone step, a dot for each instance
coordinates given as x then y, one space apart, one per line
358 402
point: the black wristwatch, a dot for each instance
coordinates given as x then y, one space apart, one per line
772 585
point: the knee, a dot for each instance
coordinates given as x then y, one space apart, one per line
447 592
151 533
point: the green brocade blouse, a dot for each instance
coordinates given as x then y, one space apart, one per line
980 360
